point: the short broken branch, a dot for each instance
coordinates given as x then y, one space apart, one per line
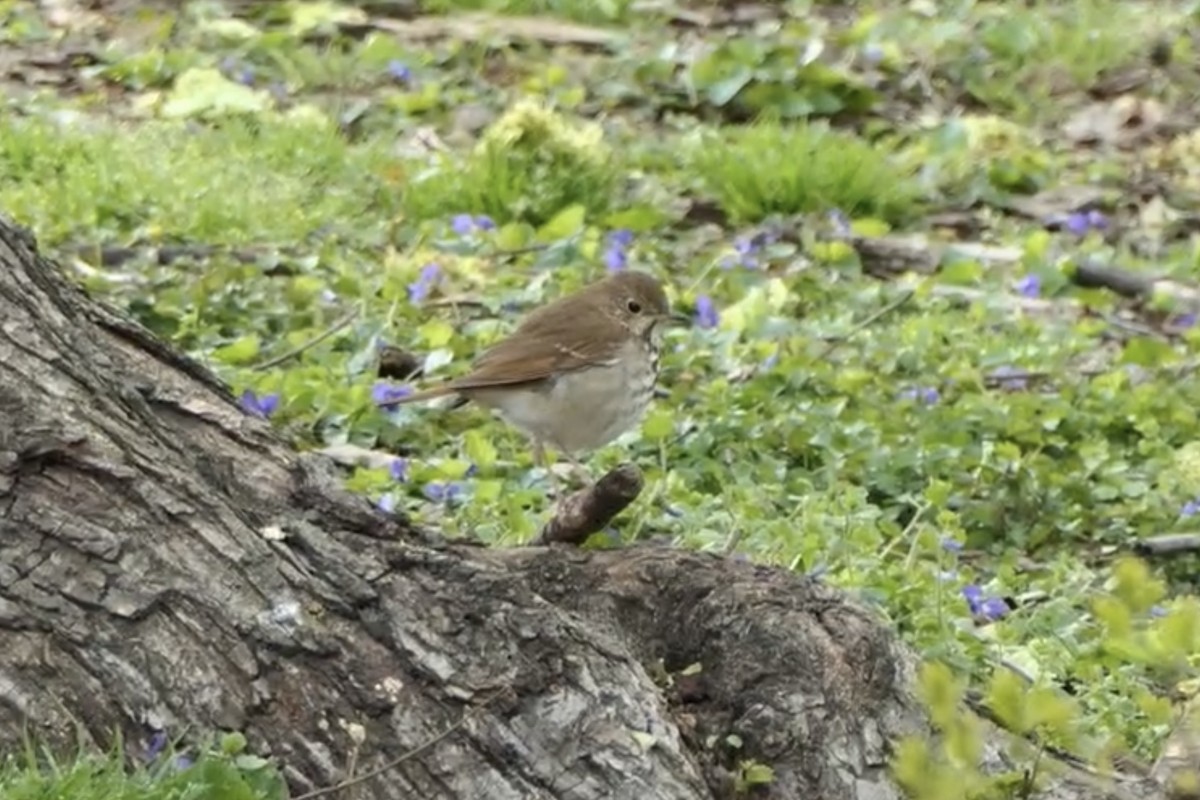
588 510
1168 544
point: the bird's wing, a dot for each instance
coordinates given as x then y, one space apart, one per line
546 345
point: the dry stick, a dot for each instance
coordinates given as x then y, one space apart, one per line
316 340
588 510
866 323
400 759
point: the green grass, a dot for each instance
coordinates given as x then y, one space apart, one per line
278 180
221 772
768 168
812 427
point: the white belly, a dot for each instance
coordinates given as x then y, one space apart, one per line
580 410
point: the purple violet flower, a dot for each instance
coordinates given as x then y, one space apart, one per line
399 71
399 469
442 492
707 315
263 406
991 608
615 256
1029 286
929 395
840 222
1011 378
426 280
156 745
388 394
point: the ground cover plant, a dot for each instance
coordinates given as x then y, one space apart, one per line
937 257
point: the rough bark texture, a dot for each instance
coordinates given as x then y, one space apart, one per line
166 561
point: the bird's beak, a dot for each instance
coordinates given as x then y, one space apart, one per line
678 319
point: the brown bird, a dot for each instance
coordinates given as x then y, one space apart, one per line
577 372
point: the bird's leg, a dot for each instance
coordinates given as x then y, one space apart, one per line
581 473
540 460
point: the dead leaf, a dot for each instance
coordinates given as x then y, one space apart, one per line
1057 202
1123 122
479 27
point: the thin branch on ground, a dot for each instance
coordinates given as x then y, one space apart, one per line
311 343
407 756
833 342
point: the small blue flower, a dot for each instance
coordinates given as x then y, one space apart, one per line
156 745
1010 378
991 608
426 280
747 249
928 395
622 237
1184 321
1190 508
840 222
615 259
1081 222
951 544
872 53
387 503
387 394
183 762
707 315
1029 286
399 469
399 71
467 224
259 406
442 492
472 471
770 361
615 256
1076 223
1158 612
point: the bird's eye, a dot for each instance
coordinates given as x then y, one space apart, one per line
634 307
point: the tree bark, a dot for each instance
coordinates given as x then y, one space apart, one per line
166 561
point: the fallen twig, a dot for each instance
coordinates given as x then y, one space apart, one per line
1090 274
588 510
1167 544
411 754
834 341
316 340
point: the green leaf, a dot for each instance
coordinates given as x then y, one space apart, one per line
757 774
233 743
240 351
479 448
659 425
204 92
436 333
251 763
726 89
1147 352
564 224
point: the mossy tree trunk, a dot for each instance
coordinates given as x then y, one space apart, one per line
166 561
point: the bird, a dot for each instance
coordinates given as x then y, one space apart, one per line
577 372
